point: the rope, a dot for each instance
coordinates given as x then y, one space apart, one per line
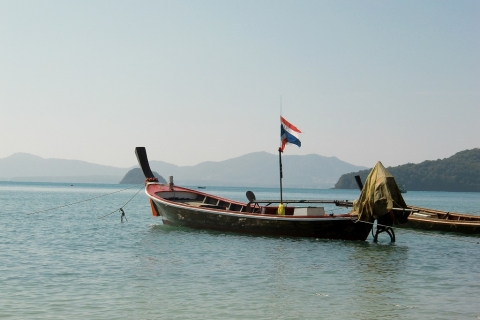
418 231
85 200
121 208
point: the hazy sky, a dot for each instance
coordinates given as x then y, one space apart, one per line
194 81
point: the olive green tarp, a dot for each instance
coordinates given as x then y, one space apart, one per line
379 195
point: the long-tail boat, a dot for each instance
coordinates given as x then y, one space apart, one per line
435 220
430 219
179 206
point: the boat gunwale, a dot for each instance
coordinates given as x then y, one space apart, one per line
234 213
434 219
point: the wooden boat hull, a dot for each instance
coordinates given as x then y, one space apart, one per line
429 219
214 217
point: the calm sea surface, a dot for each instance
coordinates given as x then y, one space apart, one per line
69 264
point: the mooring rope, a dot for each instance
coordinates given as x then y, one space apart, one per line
85 200
121 208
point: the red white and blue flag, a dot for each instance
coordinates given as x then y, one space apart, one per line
288 133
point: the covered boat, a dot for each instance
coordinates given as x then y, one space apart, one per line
381 195
180 206
381 199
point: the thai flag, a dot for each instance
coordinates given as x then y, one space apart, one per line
288 133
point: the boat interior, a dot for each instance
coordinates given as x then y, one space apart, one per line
205 201
443 215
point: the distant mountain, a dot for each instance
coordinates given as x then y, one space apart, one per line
28 167
460 172
260 169
135 176
255 169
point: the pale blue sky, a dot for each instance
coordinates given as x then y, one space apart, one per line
193 81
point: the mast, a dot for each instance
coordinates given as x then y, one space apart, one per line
281 173
281 209
280 158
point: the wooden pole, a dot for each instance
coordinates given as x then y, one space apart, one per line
281 173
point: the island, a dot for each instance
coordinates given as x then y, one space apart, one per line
458 173
135 176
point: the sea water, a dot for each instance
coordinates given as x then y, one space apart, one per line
79 261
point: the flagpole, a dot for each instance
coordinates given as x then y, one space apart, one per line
280 159
281 173
288 134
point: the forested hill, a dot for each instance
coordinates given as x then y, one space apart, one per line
460 172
